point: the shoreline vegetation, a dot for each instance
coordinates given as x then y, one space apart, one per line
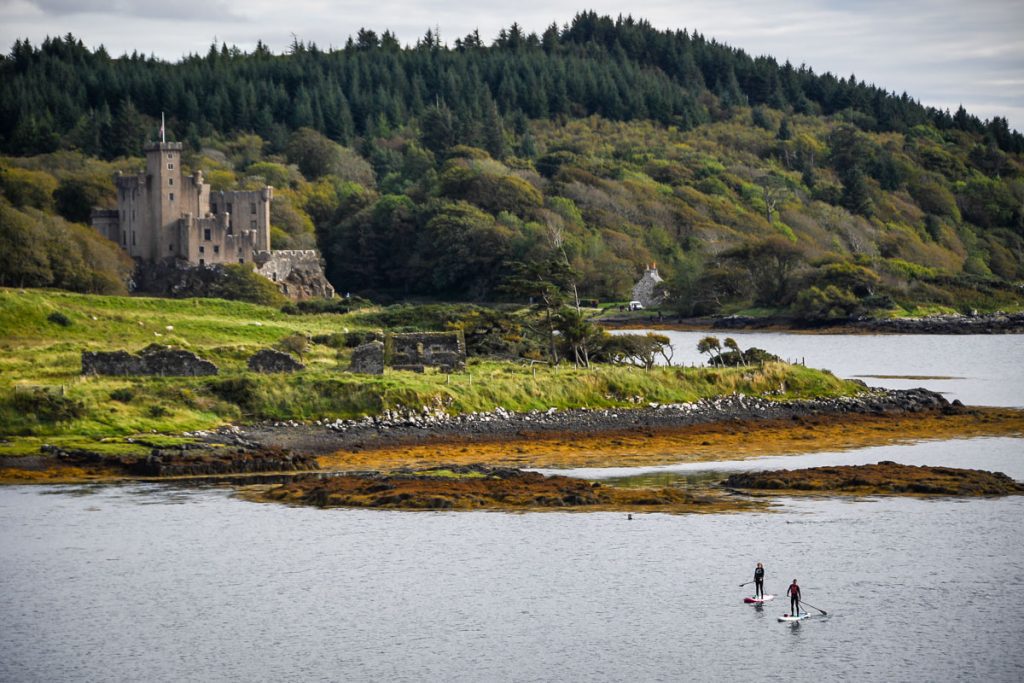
503 414
942 323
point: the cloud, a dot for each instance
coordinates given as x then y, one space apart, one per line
185 10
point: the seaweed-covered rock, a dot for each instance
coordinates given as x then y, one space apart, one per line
880 478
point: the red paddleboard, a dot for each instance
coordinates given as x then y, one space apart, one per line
758 601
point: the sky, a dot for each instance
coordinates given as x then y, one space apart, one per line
943 53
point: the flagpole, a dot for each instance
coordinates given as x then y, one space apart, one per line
163 132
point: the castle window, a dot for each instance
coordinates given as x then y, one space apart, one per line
124 238
213 208
170 167
241 260
170 181
252 208
133 238
229 207
252 224
216 249
172 196
170 155
202 250
202 262
206 234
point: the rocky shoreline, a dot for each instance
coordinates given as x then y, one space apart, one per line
406 427
290 447
987 323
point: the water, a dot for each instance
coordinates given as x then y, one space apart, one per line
983 369
998 454
163 583
151 583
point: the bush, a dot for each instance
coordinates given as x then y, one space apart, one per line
122 395
294 343
337 305
58 318
240 282
238 390
48 406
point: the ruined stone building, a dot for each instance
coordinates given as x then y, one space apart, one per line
650 289
162 214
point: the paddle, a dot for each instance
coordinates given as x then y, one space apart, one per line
746 584
823 612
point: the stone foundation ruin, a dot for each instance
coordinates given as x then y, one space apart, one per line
418 350
153 360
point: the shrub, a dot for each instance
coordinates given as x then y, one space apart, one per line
58 318
238 390
124 395
156 411
294 343
48 406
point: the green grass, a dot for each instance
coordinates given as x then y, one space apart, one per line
42 357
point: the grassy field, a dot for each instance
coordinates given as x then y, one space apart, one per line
43 396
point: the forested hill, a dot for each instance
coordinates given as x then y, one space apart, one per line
62 93
444 170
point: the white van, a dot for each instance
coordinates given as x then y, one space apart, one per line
636 306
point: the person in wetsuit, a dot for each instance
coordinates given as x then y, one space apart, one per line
794 599
759 581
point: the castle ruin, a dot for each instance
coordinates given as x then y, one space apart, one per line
162 214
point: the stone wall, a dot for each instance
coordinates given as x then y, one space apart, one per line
368 359
153 360
268 361
445 350
298 273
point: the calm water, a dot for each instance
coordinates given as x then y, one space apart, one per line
148 583
985 369
157 583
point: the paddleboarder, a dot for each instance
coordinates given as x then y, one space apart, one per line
759 581
794 599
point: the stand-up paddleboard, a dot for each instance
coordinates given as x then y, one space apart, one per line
791 617
758 601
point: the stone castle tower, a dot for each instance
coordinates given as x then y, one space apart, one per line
162 214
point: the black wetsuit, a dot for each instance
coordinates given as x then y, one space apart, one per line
794 600
759 582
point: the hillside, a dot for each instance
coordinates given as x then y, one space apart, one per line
442 172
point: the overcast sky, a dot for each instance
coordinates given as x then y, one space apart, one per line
941 52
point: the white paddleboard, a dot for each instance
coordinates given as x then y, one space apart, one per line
758 601
798 617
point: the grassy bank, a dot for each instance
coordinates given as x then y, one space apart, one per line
43 395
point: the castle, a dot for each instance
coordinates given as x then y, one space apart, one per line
162 215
